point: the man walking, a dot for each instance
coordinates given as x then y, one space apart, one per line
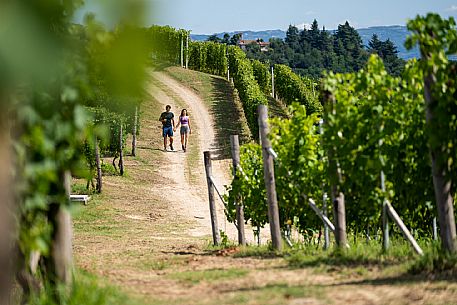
168 122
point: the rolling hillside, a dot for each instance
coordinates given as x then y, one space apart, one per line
396 33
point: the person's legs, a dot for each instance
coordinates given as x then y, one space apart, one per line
164 139
185 140
182 140
170 134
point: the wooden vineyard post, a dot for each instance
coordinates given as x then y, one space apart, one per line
121 153
269 177
435 229
339 211
324 201
135 122
212 204
441 182
228 65
393 214
182 52
98 166
272 82
235 147
326 230
7 259
385 216
337 195
187 51
59 263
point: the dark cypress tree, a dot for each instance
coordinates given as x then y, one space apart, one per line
326 41
314 35
388 52
293 38
375 45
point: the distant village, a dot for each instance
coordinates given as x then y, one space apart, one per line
264 46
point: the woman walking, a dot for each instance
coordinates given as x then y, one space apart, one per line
185 130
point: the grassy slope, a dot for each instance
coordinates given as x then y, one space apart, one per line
171 271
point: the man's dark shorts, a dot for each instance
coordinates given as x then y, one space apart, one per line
167 131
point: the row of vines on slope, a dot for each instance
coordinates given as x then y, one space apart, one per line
378 123
166 43
252 78
248 89
293 88
208 57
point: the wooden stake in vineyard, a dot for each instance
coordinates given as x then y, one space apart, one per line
441 181
6 213
121 153
339 209
235 147
182 52
269 177
135 122
187 50
272 82
59 263
212 203
98 166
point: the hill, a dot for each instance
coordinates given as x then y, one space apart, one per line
396 33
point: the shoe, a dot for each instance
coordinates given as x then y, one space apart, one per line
165 148
171 146
183 148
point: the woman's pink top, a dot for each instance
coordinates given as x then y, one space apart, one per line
184 120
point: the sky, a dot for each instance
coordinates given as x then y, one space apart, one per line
214 16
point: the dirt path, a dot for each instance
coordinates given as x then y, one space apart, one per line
190 195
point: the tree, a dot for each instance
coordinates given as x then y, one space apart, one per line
326 40
226 38
293 37
214 38
375 45
314 35
389 54
235 40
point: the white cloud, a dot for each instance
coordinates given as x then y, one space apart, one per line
301 26
453 8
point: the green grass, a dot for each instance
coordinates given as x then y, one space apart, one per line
108 169
275 294
359 254
263 251
80 188
212 275
435 261
86 289
277 108
97 218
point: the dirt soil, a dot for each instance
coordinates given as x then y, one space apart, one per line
149 232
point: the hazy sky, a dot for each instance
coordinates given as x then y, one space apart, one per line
211 16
